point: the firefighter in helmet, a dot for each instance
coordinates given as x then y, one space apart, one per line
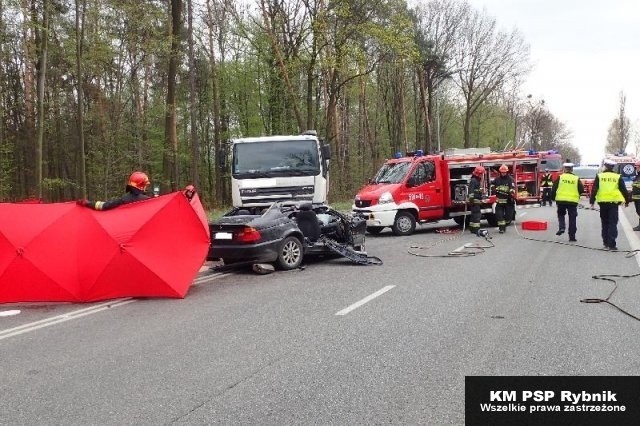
475 198
566 191
135 191
505 204
635 192
546 183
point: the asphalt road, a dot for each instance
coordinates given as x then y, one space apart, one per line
333 342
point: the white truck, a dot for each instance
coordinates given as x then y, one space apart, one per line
290 169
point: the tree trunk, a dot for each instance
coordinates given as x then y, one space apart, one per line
170 158
42 42
80 9
193 90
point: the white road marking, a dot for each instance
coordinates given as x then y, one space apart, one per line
9 313
632 237
25 328
36 325
369 298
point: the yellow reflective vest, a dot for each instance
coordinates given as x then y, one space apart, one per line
568 188
608 191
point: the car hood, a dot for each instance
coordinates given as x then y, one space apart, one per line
374 191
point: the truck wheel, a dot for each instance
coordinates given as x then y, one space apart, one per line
404 224
290 253
491 219
462 219
375 230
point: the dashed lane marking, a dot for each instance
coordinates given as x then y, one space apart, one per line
369 298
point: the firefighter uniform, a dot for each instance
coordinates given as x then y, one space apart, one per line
609 191
635 193
546 183
475 201
135 191
566 192
505 204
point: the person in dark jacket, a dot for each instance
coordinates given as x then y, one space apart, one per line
635 193
566 192
505 204
546 183
135 191
609 191
475 198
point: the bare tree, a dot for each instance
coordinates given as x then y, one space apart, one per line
620 130
485 59
438 24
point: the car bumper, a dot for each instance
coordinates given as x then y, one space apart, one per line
261 252
378 215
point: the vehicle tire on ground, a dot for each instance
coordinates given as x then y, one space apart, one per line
462 219
404 224
491 219
290 254
375 230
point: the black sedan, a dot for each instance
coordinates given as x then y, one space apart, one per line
283 234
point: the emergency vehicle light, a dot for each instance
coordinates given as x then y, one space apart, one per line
397 155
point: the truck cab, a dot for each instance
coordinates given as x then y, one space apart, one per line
289 169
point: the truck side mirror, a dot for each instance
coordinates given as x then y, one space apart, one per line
222 157
326 151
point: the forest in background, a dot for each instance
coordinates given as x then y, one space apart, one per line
91 90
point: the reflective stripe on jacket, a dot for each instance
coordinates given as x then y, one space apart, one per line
608 191
568 188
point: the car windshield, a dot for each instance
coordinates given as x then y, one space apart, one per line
586 173
392 172
275 158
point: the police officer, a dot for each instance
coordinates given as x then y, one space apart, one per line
135 191
475 198
635 192
566 191
546 183
609 191
505 190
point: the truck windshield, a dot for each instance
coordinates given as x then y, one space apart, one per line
392 172
552 164
586 173
275 158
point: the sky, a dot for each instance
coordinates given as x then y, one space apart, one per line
583 53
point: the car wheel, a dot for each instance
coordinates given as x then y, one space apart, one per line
375 230
290 253
404 224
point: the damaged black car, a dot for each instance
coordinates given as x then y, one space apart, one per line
285 234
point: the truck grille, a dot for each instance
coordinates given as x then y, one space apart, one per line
271 194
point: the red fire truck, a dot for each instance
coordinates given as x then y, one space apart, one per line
418 188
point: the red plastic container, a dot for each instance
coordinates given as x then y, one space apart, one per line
534 225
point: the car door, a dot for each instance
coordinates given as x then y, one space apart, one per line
424 189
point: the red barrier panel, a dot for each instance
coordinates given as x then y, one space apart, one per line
65 252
